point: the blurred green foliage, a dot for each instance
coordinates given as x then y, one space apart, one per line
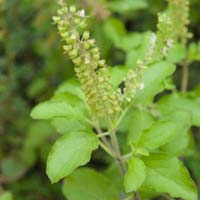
32 66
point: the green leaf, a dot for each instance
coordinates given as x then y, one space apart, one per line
6 196
130 41
135 175
165 130
117 74
69 152
38 132
114 29
153 79
168 175
176 101
178 145
139 121
124 6
194 52
37 135
87 184
140 51
176 54
62 105
65 124
71 86
113 173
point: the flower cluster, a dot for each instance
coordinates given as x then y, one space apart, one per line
132 82
159 45
89 67
164 38
179 12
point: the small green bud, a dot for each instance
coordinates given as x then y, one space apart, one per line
82 24
110 111
104 97
102 63
87 60
96 57
86 73
86 35
67 48
73 53
95 50
56 19
65 35
101 79
77 61
72 38
77 21
61 28
60 12
72 9
86 45
91 42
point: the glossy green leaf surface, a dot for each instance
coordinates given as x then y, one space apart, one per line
177 101
165 130
69 152
168 175
135 174
153 80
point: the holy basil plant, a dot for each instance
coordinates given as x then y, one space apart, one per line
123 110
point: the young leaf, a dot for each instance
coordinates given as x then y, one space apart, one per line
176 101
70 151
164 130
87 184
168 175
135 175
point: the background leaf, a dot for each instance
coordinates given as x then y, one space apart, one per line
123 6
87 184
6 196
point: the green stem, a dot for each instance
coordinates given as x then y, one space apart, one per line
116 149
136 196
105 148
103 134
185 76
